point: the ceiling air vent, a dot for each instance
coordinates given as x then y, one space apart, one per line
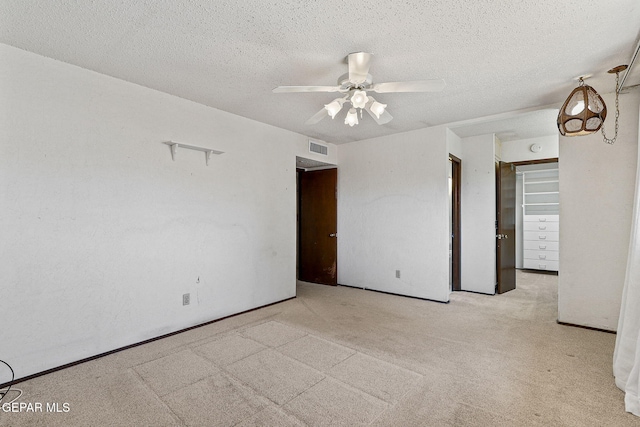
314 147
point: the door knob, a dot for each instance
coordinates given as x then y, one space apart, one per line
333 235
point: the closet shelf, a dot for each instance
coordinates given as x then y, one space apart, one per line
548 169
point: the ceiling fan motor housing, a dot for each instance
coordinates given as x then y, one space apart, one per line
346 84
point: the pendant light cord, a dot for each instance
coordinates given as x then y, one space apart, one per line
607 140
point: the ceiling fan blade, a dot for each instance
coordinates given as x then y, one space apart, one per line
317 117
385 117
290 89
359 63
435 85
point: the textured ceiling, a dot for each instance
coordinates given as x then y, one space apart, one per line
514 126
496 56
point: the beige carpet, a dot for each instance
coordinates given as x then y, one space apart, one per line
344 356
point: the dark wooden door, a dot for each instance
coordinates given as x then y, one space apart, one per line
317 222
505 227
456 182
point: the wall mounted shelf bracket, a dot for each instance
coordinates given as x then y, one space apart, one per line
207 151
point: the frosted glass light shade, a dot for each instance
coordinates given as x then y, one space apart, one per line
583 112
333 108
378 108
352 118
359 99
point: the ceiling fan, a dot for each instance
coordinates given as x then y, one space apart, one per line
353 88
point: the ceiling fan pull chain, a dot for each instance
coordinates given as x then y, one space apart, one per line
607 140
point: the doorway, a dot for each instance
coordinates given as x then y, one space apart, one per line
527 219
317 226
538 221
455 182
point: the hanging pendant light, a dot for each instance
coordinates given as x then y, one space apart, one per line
582 113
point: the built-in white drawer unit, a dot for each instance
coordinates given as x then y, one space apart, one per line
541 226
541 264
550 236
536 245
537 255
541 242
541 218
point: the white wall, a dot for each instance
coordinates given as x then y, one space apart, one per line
302 150
102 232
454 142
519 150
478 215
597 182
393 214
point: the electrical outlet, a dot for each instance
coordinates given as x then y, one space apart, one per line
397 274
186 299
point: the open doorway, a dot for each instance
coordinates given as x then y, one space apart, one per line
538 219
527 219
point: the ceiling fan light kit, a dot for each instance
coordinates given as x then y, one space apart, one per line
355 85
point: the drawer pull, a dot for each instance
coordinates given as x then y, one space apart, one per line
542 266
542 246
542 227
542 219
542 256
542 237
